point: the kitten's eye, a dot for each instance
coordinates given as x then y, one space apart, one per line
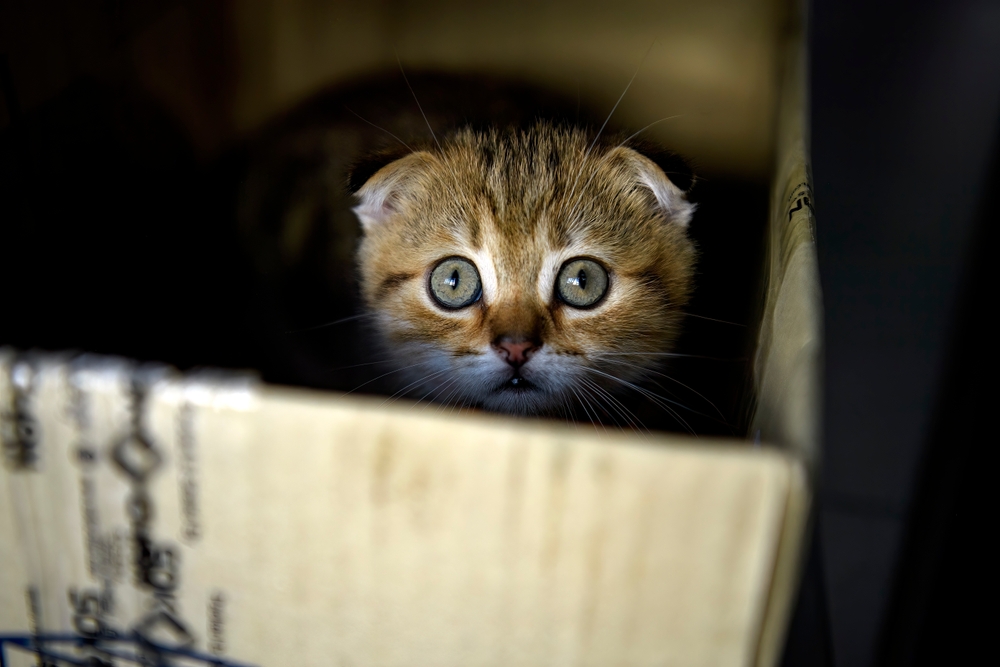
455 283
582 282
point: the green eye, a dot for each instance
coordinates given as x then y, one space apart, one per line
455 283
582 282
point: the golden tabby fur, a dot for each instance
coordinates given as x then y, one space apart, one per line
517 204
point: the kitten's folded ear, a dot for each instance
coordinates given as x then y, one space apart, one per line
381 182
667 176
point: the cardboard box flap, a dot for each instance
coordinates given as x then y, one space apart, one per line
268 526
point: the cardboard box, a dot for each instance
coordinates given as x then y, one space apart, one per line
211 519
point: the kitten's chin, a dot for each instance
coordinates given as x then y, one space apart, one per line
518 396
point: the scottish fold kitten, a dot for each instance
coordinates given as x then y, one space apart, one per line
505 263
524 269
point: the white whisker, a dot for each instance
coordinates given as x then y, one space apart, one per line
583 162
416 382
460 399
583 405
378 127
712 319
672 379
451 167
621 409
330 324
395 370
585 391
458 394
367 363
407 80
600 397
436 393
583 190
656 399
655 122
673 355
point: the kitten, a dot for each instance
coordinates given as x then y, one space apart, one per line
523 270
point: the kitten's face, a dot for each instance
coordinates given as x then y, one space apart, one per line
507 273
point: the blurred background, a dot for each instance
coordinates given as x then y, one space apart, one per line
120 124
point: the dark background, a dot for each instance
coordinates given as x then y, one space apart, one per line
905 104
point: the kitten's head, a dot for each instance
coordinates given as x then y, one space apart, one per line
516 270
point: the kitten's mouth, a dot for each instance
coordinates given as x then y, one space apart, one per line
518 384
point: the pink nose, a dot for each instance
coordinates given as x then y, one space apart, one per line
516 353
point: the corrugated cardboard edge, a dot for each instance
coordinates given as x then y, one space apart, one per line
787 562
787 368
788 359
